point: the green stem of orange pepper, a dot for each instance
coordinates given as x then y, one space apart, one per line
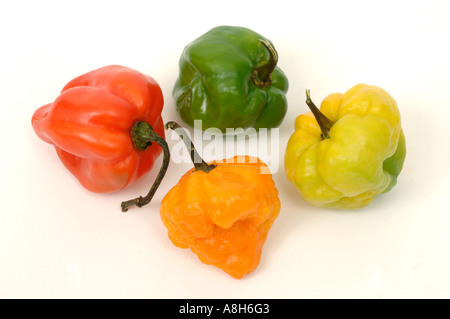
199 163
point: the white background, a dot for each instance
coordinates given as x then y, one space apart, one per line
57 240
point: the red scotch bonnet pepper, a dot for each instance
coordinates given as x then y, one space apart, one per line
102 126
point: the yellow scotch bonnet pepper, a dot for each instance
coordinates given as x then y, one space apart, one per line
349 151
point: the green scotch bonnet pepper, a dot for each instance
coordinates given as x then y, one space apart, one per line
229 79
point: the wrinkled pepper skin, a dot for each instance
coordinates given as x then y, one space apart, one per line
223 216
218 84
362 157
89 125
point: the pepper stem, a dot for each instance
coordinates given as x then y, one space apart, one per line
261 74
324 122
199 163
143 136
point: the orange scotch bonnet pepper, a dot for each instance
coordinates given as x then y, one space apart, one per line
222 211
103 125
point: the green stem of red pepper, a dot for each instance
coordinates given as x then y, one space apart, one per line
143 136
261 74
199 163
324 122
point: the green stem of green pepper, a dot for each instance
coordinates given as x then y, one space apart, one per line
143 135
261 75
324 122
199 163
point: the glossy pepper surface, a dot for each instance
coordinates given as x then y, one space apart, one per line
349 151
229 79
102 126
223 212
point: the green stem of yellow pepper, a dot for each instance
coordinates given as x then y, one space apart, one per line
324 122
